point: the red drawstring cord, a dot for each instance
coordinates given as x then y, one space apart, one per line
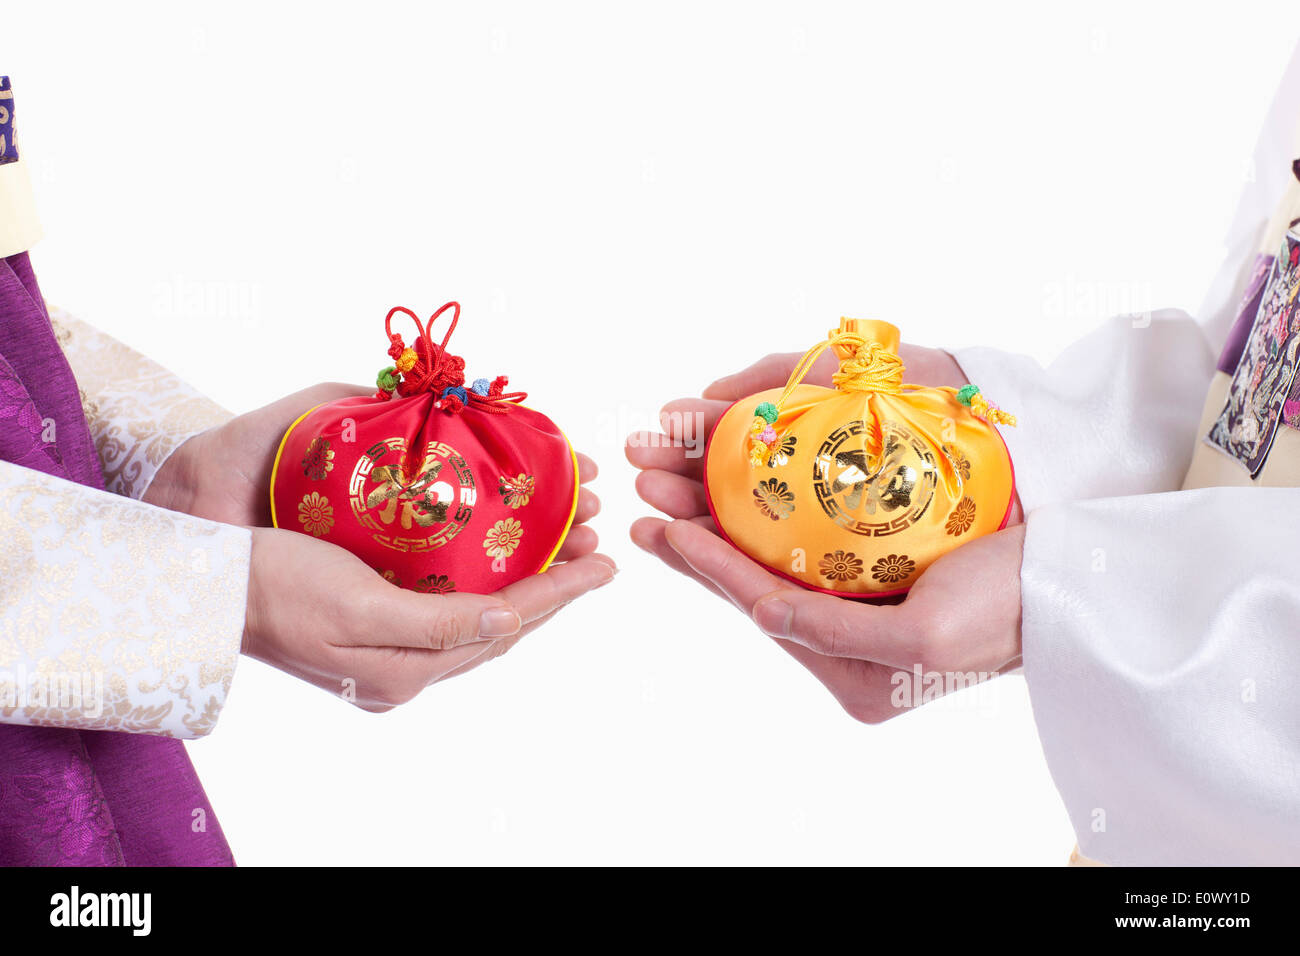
431 368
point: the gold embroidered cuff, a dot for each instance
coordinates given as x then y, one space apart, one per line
114 615
139 413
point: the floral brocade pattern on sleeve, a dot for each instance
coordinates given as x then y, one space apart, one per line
138 412
114 615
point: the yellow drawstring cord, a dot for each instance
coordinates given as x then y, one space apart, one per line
870 368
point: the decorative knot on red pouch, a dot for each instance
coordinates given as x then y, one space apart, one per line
437 484
429 367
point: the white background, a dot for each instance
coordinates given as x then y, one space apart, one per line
629 201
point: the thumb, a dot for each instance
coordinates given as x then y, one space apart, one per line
769 372
837 627
440 622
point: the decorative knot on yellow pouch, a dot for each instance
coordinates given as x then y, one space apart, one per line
856 489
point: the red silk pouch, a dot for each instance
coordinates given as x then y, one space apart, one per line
438 485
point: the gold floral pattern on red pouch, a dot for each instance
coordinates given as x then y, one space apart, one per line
503 538
318 460
316 514
517 491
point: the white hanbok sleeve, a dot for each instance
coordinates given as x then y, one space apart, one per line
139 413
1116 414
1160 647
114 614
1161 654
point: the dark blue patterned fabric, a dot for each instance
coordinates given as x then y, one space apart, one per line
8 149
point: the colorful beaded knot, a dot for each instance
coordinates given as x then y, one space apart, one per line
762 435
406 361
982 408
429 367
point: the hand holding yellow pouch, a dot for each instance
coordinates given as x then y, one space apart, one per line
855 490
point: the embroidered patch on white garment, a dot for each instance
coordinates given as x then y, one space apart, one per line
1261 386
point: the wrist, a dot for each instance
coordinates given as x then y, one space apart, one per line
1015 535
253 612
174 484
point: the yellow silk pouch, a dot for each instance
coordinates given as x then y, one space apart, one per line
855 490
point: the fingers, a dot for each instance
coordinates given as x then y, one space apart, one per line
1016 513
436 622
648 535
687 424
579 541
690 421
771 371
396 673
490 651
674 495
706 522
738 578
588 506
472 619
408 669
275 419
924 365
495 649
646 449
839 627
315 395
281 413
387 677
429 667
538 595
927 366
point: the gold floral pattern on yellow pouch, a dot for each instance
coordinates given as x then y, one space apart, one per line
960 463
841 566
893 568
774 498
962 517
782 452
